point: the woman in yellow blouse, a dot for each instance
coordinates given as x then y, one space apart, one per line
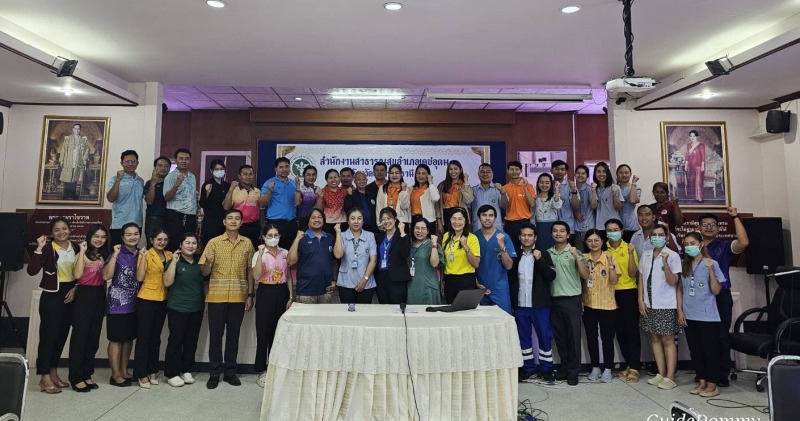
462 255
151 308
599 304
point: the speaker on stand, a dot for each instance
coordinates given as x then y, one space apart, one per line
12 249
766 250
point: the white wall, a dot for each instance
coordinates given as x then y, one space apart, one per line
758 170
3 144
137 128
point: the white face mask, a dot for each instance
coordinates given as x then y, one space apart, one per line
218 173
272 242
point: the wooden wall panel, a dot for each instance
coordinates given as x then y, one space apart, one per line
240 130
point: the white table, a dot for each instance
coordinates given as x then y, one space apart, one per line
330 364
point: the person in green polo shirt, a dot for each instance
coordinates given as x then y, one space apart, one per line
185 305
565 307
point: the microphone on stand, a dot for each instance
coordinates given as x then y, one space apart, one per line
403 308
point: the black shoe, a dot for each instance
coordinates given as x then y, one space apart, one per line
724 383
572 379
549 377
526 375
213 381
561 375
83 389
92 386
232 380
124 383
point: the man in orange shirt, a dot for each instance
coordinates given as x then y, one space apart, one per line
518 200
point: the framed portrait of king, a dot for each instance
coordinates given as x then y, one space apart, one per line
695 163
72 161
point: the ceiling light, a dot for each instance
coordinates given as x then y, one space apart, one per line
393 5
368 97
570 9
218 4
297 98
460 97
706 95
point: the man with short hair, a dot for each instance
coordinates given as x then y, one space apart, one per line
246 198
499 252
230 293
569 196
566 305
154 196
722 251
73 159
125 190
312 252
518 201
180 192
486 193
346 177
277 198
641 239
529 279
379 171
361 198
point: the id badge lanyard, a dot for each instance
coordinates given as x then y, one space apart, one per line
691 280
354 260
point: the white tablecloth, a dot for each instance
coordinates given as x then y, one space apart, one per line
330 364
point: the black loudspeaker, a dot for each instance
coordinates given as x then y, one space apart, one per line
778 121
765 251
12 245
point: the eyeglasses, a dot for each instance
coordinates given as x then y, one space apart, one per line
130 161
268 237
708 225
485 172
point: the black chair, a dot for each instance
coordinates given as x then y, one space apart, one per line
776 334
784 388
13 386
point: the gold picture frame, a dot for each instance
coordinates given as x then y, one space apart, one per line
694 161
72 161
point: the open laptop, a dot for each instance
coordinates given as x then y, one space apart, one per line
465 300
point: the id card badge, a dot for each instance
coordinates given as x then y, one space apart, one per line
412 270
354 263
384 263
590 282
691 292
451 256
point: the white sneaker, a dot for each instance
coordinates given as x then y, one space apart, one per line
187 378
655 381
175 381
607 376
262 379
595 374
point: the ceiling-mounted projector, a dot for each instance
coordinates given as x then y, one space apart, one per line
630 84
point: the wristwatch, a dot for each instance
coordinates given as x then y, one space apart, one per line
251 295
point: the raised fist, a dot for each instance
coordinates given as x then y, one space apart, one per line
40 242
181 177
403 186
463 241
594 186
572 185
84 246
500 238
614 190
299 235
434 239
430 178
154 177
709 262
537 254
499 188
117 248
337 228
261 247
349 191
143 252
272 185
208 188
557 186
635 179
210 255
120 174
466 178
176 255
631 248
234 184
732 212
574 251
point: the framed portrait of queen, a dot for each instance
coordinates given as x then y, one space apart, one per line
72 162
695 163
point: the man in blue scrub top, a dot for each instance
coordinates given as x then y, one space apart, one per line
569 197
277 197
498 254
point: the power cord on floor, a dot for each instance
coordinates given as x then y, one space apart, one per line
763 409
526 412
408 360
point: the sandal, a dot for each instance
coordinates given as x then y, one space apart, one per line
50 390
632 376
623 373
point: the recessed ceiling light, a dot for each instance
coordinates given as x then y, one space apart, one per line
357 97
706 95
67 91
219 4
570 9
297 98
393 5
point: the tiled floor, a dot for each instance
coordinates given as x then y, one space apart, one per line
587 401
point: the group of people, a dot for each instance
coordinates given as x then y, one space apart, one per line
568 252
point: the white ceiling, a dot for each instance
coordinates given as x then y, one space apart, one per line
460 44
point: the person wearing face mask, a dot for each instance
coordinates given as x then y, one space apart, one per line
659 305
626 317
212 197
245 197
641 239
701 281
273 296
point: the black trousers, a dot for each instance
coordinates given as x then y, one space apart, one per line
270 305
54 319
351 296
725 309
453 284
565 319
390 292
184 329
224 319
704 345
604 320
150 317
252 230
177 224
88 310
287 228
627 327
